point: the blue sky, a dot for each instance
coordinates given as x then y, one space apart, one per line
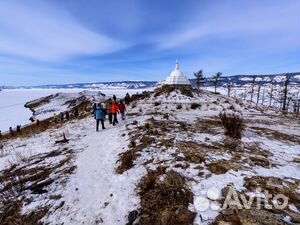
67 41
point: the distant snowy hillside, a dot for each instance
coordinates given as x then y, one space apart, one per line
236 80
241 80
45 107
105 85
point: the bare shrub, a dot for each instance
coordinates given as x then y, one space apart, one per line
233 124
126 161
187 91
20 157
179 106
167 89
10 191
157 103
133 105
143 95
195 105
165 198
2 151
231 107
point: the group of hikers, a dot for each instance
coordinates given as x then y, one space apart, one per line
64 115
111 108
11 131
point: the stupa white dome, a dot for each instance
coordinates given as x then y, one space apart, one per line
176 77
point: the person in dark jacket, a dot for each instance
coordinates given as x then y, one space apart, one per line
122 109
19 129
127 99
99 115
67 115
76 112
61 116
37 123
11 131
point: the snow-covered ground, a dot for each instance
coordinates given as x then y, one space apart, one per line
189 140
12 102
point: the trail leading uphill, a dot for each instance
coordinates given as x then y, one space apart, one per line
95 193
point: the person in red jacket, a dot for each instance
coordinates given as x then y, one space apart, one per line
122 109
114 111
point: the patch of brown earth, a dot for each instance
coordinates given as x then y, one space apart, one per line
248 217
11 214
164 199
35 176
276 135
167 89
191 151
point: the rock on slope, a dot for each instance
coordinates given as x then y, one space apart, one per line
155 167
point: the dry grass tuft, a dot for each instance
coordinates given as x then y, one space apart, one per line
219 167
195 105
233 124
11 214
191 152
167 89
147 141
164 199
179 106
126 161
157 103
34 177
143 95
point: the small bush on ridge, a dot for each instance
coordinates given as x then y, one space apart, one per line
233 124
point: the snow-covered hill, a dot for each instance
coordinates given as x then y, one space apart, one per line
235 80
97 85
45 107
162 165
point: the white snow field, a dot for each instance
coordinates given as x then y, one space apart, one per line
12 102
81 185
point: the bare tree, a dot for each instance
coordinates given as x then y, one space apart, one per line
271 91
285 91
252 87
245 94
216 79
288 103
295 105
229 86
258 93
199 78
263 97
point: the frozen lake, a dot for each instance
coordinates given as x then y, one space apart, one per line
12 102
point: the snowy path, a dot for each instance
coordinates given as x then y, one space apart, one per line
95 193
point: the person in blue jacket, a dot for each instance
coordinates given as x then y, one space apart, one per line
99 115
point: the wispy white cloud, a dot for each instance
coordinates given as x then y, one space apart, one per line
242 19
44 32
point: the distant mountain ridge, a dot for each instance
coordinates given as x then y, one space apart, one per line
262 79
237 80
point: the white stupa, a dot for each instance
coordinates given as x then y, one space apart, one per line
176 77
